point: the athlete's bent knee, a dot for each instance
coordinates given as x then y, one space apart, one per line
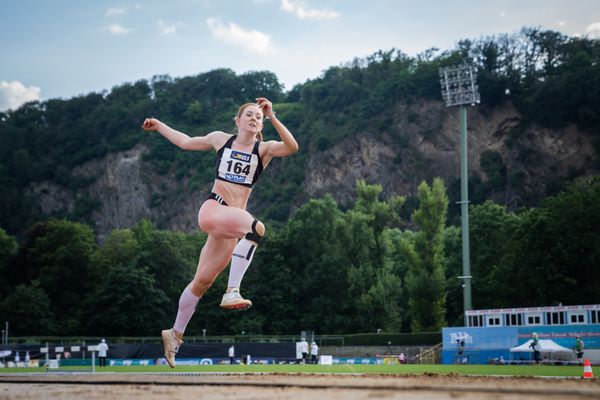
260 228
257 232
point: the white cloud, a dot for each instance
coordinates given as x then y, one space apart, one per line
166 28
502 14
562 24
114 12
117 29
299 8
593 31
13 94
251 40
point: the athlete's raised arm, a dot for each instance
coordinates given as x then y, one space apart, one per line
211 141
288 145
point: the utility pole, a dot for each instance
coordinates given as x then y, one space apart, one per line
459 89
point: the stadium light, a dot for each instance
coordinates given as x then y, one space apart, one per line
458 85
460 89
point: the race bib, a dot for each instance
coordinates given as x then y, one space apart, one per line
237 166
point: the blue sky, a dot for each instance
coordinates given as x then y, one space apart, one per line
65 48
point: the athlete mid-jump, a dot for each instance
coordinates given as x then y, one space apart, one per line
233 233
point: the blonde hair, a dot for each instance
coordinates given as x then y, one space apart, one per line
239 115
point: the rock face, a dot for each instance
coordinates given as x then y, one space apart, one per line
422 143
431 147
127 193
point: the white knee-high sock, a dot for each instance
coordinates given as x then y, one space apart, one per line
187 305
242 257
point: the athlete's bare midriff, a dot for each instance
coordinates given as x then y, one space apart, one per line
234 195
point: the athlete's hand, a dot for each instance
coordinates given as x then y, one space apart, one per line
150 124
266 106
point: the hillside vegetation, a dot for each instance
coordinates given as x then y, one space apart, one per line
381 260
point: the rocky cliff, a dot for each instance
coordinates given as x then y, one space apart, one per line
430 147
422 142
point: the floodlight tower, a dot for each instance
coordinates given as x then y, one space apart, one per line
459 89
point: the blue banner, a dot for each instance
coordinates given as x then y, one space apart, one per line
129 362
357 360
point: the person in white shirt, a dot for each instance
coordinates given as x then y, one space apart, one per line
231 353
314 353
304 350
102 352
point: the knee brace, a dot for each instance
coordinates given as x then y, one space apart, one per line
254 236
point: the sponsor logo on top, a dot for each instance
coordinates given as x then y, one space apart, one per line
238 155
234 178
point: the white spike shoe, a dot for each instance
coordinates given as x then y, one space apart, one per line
234 301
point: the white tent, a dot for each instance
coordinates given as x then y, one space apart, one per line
548 347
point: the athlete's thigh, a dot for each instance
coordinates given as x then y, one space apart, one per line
223 221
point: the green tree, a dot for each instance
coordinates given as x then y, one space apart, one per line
120 249
490 225
385 300
452 238
58 254
8 249
553 255
426 279
373 282
28 310
167 259
170 257
316 253
128 303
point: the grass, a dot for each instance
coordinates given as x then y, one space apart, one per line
504 370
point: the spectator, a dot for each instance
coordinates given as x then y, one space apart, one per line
402 358
534 346
102 352
304 350
579 345
314 352
231 353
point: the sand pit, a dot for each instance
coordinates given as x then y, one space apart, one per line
153 386
288 386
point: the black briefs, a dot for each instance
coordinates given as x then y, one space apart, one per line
219 199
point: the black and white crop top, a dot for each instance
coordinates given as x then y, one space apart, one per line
238 167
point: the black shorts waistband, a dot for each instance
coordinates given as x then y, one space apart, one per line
219 199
